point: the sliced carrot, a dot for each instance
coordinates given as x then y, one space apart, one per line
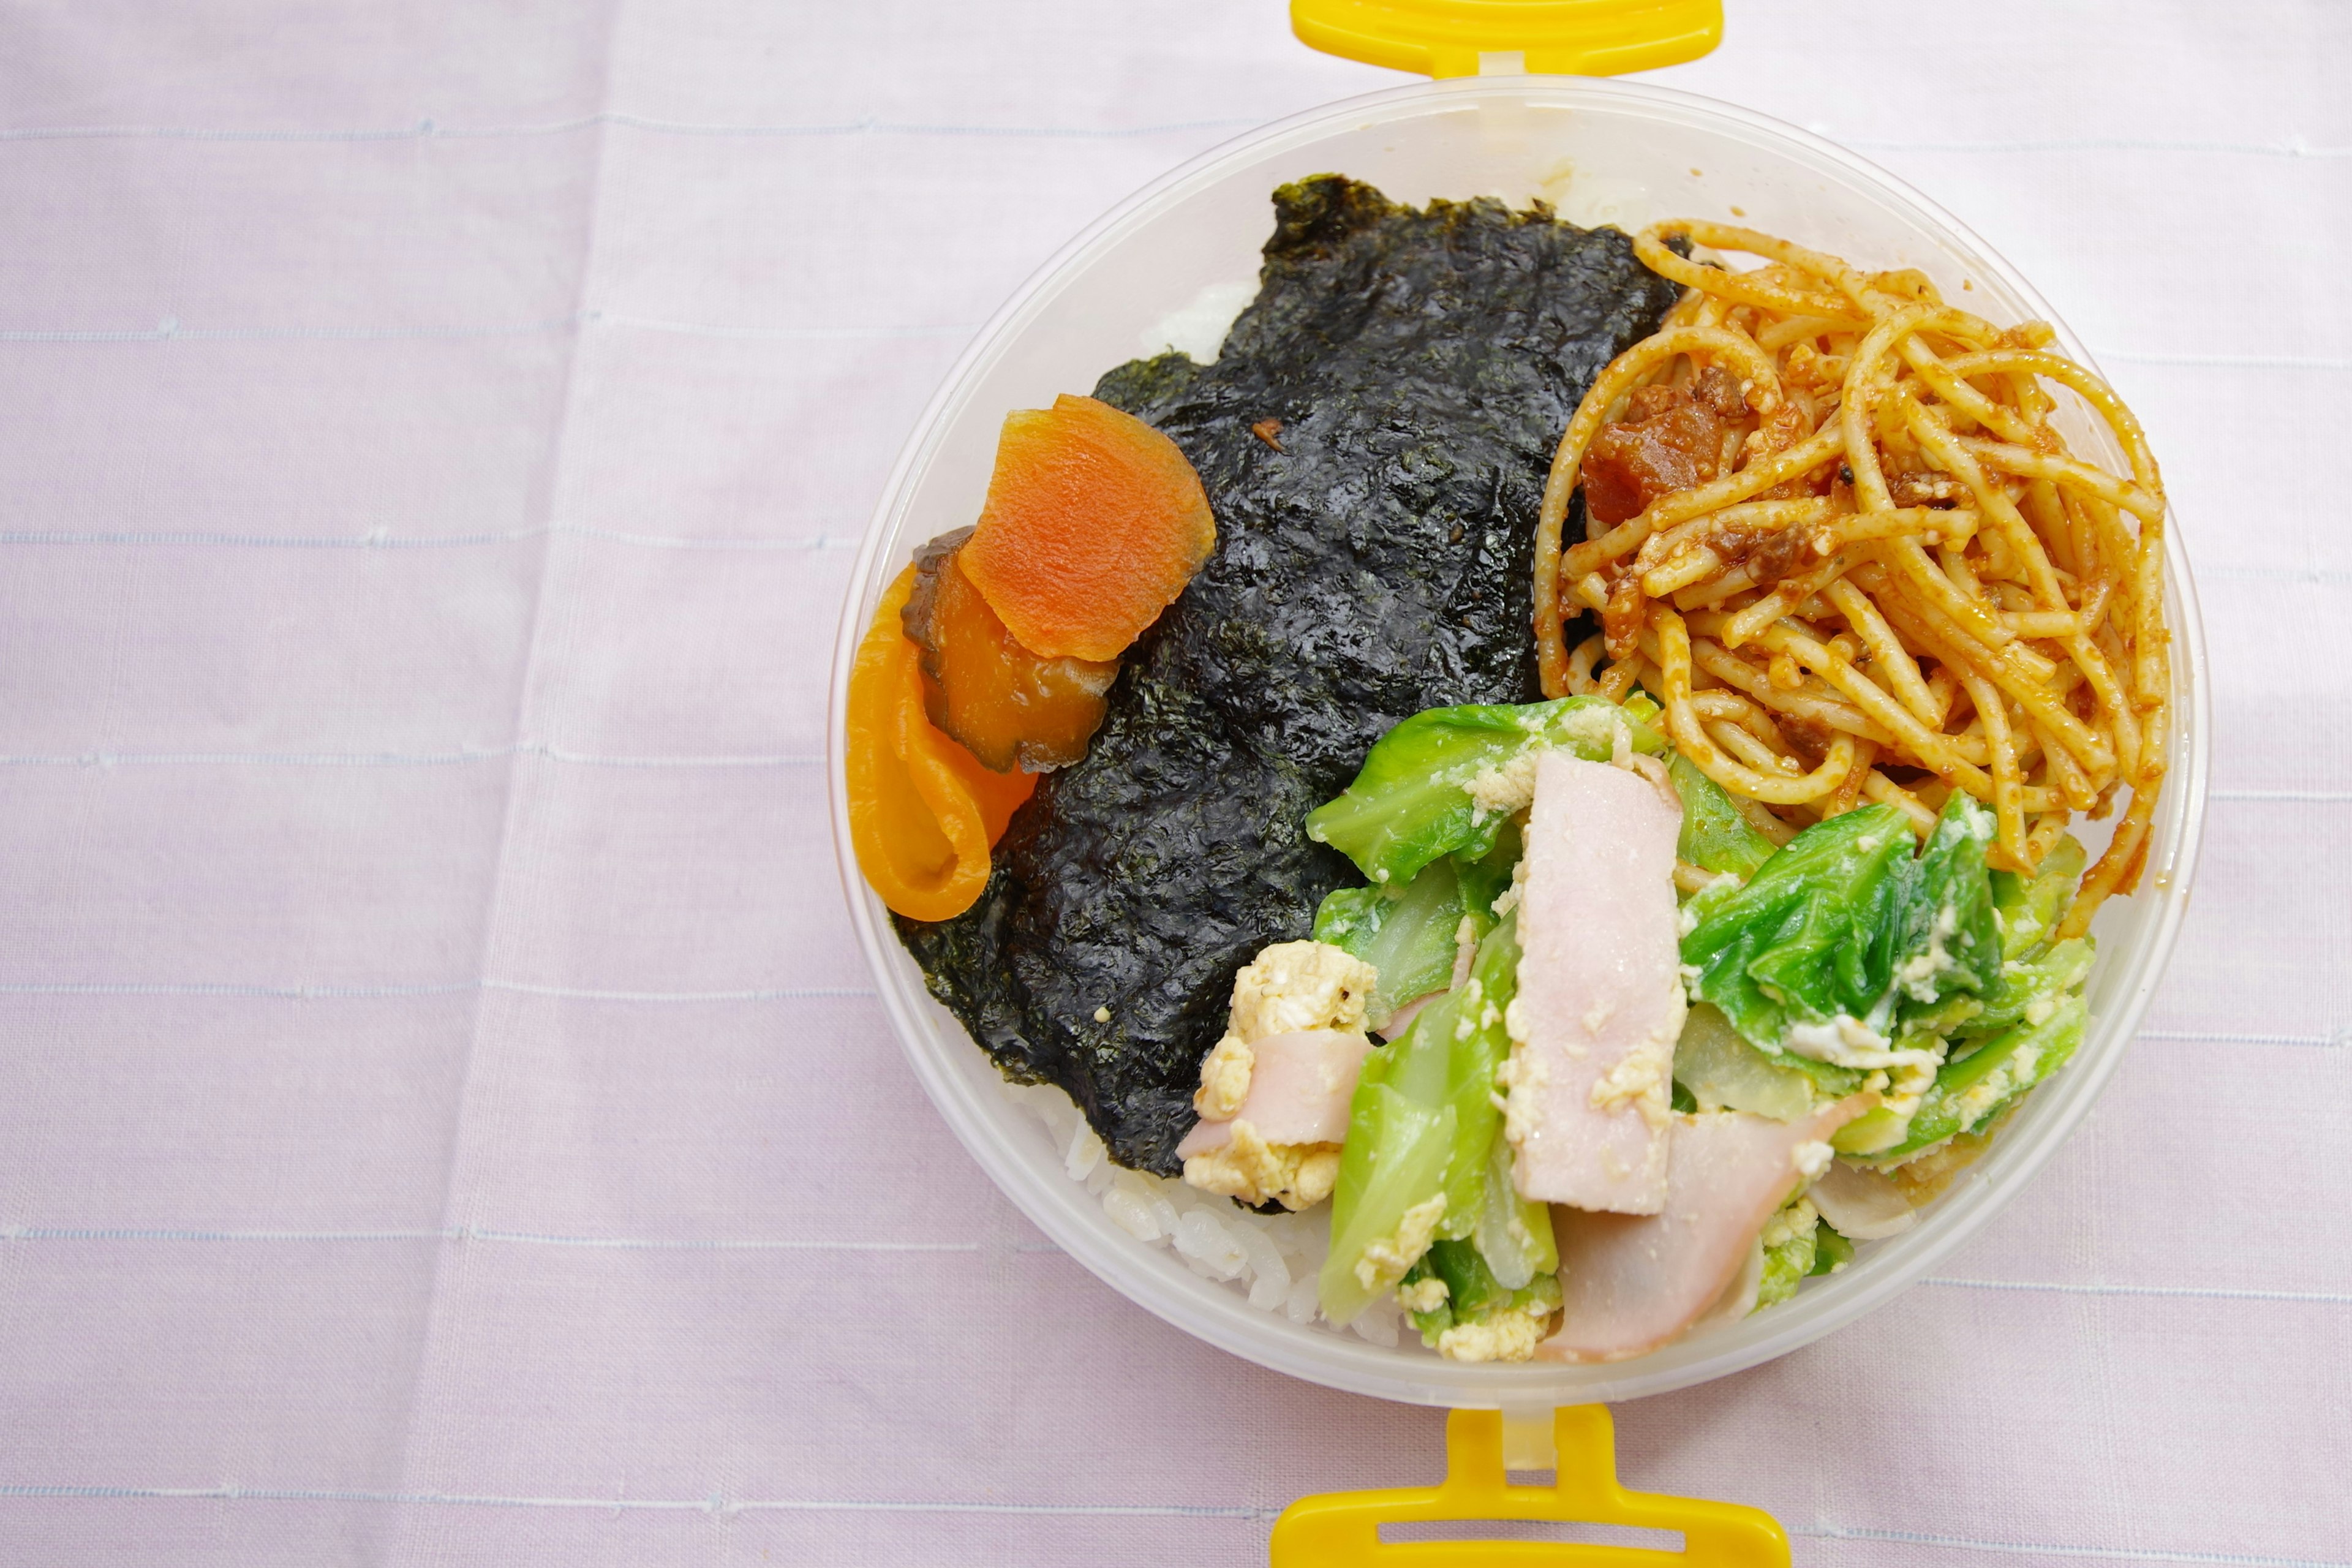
1007 705
1093 523
998 795
922 810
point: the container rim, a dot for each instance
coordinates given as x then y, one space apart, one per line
1222 1317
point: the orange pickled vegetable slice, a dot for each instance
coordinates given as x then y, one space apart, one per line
1007 705
1094 523
922 810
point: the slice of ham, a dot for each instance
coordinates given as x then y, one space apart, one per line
1298 1092
1600 991
1633 1283
1862 1206
1402 1019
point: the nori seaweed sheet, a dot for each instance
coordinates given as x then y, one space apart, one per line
1422 364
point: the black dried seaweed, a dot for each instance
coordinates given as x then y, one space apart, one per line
1375 563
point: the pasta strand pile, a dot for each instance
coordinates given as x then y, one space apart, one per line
1893 581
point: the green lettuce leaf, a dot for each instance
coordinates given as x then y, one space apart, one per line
2040 977
1422 1127
1514 1234
1714 837
1478 1047
1832 1251
1408 936
1800 943
1412 802
1845 921
1972 1090
1488 878
1946 939
1369 1203
1792 1244
1473 1293
2031 907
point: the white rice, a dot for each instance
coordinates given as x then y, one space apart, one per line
1270 1259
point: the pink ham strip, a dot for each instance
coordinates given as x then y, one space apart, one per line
1402 1019
1633 1283
1299 1093
1600 981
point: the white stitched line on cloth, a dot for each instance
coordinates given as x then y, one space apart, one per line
2233 1038
392 759
2323 575
2294 148
169 329
716 1504
2038 1549
706 330
2192 1292
428 129
2293 796
719 1504
382 539
379 992
477 1233
2229 361
689 1244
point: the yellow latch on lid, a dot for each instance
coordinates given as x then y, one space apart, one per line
1342 1529
1567 38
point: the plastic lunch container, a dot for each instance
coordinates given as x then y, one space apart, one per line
1174 264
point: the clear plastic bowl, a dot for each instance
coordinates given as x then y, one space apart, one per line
1174 263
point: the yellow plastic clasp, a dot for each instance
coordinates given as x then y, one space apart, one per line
1341 1530
1567 38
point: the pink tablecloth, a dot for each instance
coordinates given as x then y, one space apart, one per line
443 1118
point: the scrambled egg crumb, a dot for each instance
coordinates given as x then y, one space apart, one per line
1596 726
1799 1218
1465 951
1508 790
1295 1175
1907 1087
1224 1079
1811 1159
1916 975
1424 1295
1506 1336
1510 899
1521 1077
1846 1041
1642 1076
1294 986
1385 1260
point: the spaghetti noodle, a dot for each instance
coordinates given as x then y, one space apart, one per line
1832 526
